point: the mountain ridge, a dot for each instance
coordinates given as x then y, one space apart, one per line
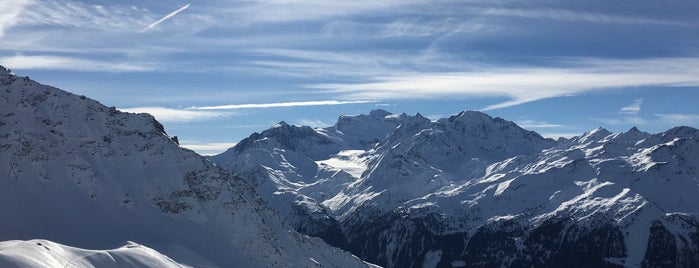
82 174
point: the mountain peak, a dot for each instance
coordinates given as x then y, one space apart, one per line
681 131
379 113
417 119
598 132
469 117
281 124
285 129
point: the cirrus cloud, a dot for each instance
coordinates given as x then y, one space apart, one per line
523 85
175 115
51 62
277 104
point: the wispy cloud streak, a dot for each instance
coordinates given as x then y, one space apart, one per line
574 16
633 108
79 16
529 123
308 10
168 16
175 115
278 104
679 119
49 62
9 14
207 148
524 85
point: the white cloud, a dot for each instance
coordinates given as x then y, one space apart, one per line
384 104
416 27
91 30
312 123
75 14
658 120
175 115
434 117
522 85
320 63
208 112
621 121
633 108
71 63
204 148
166 17
9 14
680 119
263 126
554 135
307 10
528 123
278 104
574 16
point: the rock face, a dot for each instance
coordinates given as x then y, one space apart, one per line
475 191
78 173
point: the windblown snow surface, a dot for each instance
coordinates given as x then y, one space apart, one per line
44 253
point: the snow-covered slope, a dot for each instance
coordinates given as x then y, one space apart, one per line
44 253
472 190
81 174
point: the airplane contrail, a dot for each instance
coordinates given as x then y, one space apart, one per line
165 18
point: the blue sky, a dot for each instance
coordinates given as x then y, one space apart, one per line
214 71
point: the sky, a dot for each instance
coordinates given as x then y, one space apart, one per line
215 71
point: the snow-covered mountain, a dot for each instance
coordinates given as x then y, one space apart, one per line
81 174
285 166
475 191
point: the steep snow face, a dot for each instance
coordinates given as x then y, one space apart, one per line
79 173
470 190
44 253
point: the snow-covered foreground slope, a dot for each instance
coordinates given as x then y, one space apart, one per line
81 174
44 253
476 191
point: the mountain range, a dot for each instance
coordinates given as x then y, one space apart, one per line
475 191
86 185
